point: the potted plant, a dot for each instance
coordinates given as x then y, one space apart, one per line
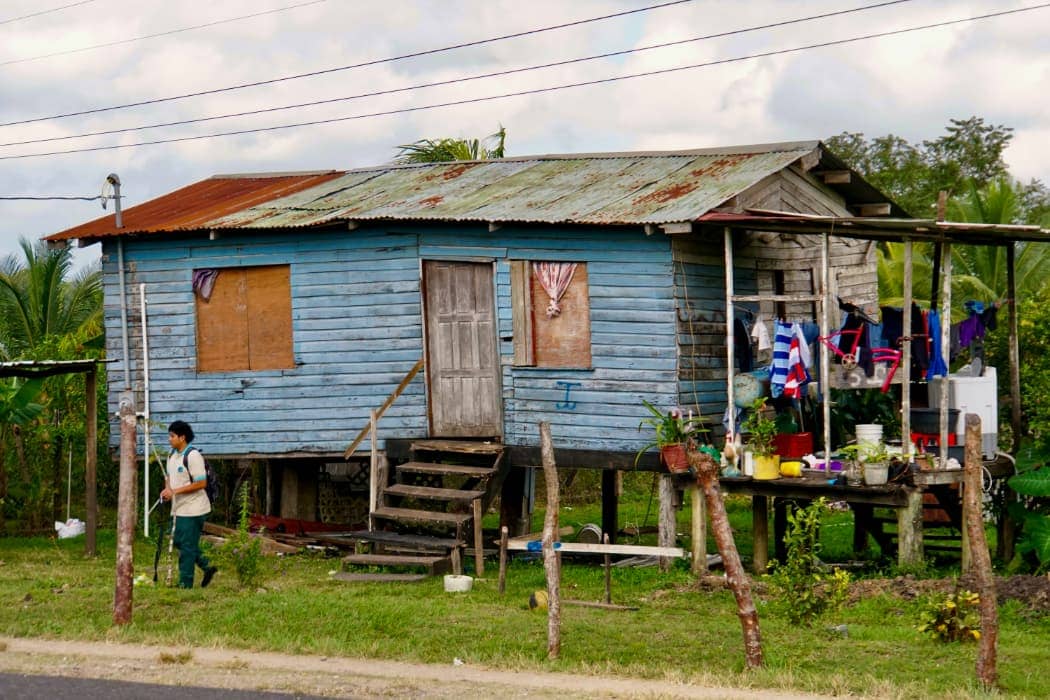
672 430
876 463
761 431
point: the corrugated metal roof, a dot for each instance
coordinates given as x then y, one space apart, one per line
194 206
613 188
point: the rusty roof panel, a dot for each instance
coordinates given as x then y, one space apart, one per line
196 205
627 188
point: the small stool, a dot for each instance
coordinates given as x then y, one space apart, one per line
924 440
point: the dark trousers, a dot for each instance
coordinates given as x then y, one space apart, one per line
186 539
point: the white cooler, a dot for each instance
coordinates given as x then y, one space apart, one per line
978 395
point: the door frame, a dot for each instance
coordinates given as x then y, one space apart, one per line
484 260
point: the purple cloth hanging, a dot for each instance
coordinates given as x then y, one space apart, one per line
204 282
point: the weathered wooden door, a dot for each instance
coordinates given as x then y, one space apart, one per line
462 355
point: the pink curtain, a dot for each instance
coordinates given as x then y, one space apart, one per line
554 278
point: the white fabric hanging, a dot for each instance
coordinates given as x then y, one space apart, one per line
554 278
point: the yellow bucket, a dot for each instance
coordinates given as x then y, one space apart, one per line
793 468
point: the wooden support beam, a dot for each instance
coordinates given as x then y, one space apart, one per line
836 177
677 228
878 209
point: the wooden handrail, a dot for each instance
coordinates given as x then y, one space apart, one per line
386 404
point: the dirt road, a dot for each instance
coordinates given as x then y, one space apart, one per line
329 676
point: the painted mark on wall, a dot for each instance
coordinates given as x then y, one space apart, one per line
567 405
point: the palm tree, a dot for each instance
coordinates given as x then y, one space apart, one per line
449 149
978 272
40 300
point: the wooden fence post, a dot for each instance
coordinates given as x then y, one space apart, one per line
979 556
125 512
551 559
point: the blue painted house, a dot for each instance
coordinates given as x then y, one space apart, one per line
282 308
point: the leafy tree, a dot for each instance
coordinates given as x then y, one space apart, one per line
450 149
971 152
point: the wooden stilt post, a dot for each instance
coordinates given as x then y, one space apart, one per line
909 531
981 559
551 558
759 533
479 544
699 530
666 535
91 463
608 573
503 537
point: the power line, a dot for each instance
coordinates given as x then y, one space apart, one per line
48 199
46 12
158 34
536 91
325 71
452 81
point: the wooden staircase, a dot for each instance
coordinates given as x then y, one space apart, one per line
425 518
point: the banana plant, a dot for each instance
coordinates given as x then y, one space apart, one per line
1035 529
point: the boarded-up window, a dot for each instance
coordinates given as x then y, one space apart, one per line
246 324
562 340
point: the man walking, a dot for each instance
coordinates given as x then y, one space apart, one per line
184 485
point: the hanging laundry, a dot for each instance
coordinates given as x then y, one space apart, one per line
937 367
803 347
760 334
782 335
797 376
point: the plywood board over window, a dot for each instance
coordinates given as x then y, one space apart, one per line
246 324
563 340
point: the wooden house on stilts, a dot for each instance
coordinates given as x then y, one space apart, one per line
487 296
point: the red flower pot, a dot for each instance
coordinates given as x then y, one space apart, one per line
673 457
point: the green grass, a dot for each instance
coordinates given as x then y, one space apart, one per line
49 589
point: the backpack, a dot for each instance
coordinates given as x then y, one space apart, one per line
211 487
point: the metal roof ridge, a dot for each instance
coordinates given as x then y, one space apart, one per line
744 149
275 174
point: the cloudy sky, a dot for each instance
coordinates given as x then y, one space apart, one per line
59 57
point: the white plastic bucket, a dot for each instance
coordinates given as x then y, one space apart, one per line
458 584
870 433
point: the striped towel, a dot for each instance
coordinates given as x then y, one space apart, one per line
797 376
783 333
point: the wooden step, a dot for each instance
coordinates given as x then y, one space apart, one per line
355 577
405 541
434 565
427 517
445 469
459 446
433 494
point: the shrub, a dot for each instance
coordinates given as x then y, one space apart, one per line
243 550
802 585
953 619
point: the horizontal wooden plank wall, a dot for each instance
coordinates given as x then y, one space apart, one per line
701 314
357 327
357 330
633 353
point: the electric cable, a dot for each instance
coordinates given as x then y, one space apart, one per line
451 81
15 198
536 91
46 12
325 71
132 40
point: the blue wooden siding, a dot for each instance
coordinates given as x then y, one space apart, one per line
357 330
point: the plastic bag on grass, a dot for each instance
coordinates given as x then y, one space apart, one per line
71 528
